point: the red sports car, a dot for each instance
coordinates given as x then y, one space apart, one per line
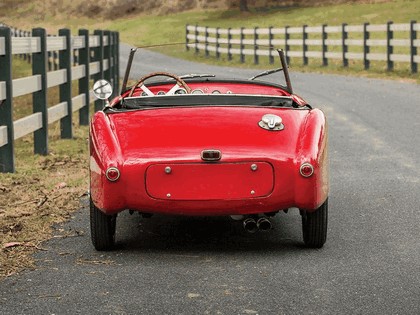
200 146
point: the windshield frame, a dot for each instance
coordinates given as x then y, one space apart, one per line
199 100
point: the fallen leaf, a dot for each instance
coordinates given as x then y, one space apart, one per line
4 189
15 244
12 244
61 185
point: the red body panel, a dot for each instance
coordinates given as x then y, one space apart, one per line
141 144
212 181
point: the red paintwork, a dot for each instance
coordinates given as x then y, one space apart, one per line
142 143
215 181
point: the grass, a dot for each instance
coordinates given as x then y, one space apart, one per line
147 29
140 31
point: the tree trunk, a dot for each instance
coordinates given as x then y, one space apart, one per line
243 6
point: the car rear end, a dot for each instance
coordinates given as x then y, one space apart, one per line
209 161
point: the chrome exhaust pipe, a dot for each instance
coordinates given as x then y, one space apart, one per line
264 224
250 225
237 217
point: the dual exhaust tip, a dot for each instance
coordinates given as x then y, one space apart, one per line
252 225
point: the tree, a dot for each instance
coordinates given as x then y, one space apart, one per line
243 6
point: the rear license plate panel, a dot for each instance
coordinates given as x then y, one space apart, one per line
209 181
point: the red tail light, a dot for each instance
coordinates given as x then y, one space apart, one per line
112 174
306 170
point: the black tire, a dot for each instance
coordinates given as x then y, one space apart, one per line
102 228
314 226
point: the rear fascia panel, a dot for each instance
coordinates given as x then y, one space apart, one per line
138 146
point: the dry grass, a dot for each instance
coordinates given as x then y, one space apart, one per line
44 191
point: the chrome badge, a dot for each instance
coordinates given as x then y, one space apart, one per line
271 122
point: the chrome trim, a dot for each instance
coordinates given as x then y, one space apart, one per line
197 91
180 91
112 169
304 165
271 122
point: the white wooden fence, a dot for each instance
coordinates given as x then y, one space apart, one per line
97 57
391 43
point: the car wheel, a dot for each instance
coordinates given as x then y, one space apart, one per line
314 226
102 228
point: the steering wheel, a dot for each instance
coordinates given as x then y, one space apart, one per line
179 83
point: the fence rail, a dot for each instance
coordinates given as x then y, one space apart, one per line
56 61
391 43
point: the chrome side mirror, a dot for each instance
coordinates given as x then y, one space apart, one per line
102 89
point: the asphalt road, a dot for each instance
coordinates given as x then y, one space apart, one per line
179 265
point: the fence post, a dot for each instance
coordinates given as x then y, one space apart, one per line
24 56
28 34
20 34
116 63
286 45
344 36
108 57
84 59
187 32
229 47
366 48
270 45
49 59
206 42
99 56
196 39
75 56
55 60
324 46
389 47
217 43
112 60
39 98
7 158
256 59
65 62
413 48
304 46
242 45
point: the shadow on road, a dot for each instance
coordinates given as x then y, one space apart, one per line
198 234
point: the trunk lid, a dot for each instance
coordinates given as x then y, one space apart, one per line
181 134
168 145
